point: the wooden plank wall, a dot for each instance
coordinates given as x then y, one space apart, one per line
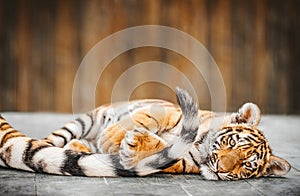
254 42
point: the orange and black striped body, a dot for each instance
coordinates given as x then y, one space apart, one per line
147 136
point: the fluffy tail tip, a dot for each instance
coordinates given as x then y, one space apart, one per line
190 119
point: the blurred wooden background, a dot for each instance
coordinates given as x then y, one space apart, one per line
254 42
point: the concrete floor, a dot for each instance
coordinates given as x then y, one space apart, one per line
283 133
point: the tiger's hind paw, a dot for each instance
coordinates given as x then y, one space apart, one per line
77 145
138 144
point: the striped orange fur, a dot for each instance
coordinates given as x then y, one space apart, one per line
146 136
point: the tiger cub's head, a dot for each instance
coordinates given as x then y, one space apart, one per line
239 150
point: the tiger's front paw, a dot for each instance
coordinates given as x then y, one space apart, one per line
129 148
138 144
109 142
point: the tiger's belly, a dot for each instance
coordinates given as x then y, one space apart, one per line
159 117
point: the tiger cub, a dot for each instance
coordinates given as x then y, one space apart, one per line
142 137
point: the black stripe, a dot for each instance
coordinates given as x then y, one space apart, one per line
151 117
245 138
103 119
219 178
5 155
48 142
29 154
188 135
163 160
2 124
260 134
227 131
203 137
248 129
70 163
69 131
157 144
183 165
252 138
262 150
119 169
171 163
142 124
259 169
217 142
245 146
82 124
4 137
61 136
121 115
4 161
91 126
196 163
178 121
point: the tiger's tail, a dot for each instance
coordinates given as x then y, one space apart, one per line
21 152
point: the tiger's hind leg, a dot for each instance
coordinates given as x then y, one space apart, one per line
138 144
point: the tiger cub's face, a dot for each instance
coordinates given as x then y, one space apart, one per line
239 150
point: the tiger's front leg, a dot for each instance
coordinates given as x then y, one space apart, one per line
138 144
131 142
110 139
152 121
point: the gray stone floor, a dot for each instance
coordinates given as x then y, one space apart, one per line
283 133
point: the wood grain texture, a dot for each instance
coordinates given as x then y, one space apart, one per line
254 43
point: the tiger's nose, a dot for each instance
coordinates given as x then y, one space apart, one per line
228 161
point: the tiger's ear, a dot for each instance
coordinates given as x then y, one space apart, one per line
249 113
277 166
